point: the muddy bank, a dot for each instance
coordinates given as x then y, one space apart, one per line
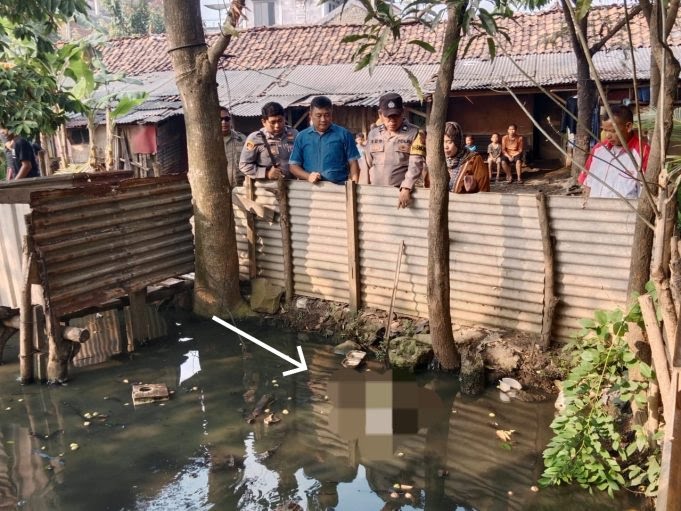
505 353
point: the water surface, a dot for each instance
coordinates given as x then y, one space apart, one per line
348 437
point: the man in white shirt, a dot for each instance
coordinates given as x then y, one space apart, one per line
610 163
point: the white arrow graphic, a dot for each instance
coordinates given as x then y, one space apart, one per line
300 366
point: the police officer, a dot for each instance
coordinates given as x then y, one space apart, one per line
234 143
395 154
266 152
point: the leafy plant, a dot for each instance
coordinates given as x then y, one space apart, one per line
594 444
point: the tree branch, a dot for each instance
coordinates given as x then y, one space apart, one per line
226 32
671 17
633 12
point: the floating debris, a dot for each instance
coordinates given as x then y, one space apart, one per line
271 419
407 495
149 393
394 495
86 423
284 412
353 359
185 339
74 446
534 489
505 435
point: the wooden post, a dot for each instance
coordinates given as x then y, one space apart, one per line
669 492
57 364
41 343
250 229
285 223
353 245
550 300
137 329
26 313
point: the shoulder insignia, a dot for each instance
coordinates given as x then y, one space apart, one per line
250 146
418 146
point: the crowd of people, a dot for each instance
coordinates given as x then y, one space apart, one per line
393 153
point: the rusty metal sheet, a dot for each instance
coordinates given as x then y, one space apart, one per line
100 242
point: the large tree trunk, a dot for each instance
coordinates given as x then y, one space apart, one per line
438 218
664 58
216 289
586 93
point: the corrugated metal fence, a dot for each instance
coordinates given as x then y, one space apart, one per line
103 242
496 256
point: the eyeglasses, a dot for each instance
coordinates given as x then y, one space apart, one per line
225 119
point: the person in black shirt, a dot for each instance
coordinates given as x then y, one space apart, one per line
25 164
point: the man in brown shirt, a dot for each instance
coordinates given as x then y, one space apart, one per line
512 147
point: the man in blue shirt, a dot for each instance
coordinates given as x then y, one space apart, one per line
324 151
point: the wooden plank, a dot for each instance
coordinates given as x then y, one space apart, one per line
353 245
285 224
250 230
137 326
669 493
550 300
250 206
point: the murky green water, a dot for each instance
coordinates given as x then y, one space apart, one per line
347 439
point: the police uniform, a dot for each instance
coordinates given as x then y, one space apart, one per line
234 143
255 158
395 159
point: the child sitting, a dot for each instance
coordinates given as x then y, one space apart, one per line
494 155
470 144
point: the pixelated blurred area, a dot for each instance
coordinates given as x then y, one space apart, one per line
378 409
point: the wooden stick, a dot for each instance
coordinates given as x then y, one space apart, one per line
285 223
398 266
656 346
550 299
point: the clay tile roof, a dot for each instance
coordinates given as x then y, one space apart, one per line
285 46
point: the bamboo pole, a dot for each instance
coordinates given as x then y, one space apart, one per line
26 313
550 299
285 224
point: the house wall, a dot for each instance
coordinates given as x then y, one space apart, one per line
79 152
482 115
172 146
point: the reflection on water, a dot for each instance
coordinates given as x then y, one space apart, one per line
196 451
189 367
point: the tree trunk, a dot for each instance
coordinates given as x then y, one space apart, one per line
216 288
643 235
438 218
586 93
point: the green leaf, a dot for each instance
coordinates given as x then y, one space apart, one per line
423 44
127 103
582 8
415 83
353 38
